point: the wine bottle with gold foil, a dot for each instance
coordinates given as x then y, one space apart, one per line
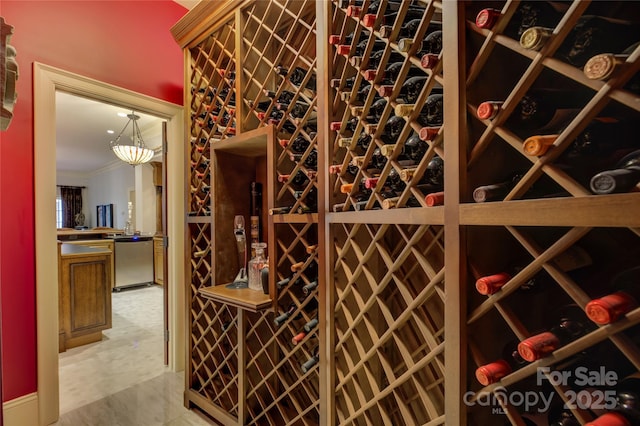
589 36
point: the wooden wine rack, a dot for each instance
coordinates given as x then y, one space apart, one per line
395 274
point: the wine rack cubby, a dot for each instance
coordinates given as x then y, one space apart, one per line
389 303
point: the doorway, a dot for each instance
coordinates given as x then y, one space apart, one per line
48 80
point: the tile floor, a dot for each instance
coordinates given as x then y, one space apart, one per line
121 381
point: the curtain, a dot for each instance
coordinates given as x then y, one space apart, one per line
71 205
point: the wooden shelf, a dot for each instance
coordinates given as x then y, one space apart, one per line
598 210
252 143
243 298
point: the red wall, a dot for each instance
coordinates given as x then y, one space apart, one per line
124 43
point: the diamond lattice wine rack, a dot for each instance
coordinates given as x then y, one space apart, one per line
389 303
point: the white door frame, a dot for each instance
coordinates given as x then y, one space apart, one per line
47 80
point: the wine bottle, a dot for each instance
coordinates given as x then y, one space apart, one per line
606 65
310 325
589 36
431 113
311 362
493 372
409 92
623 178
297 110
572 325
285 96
310 287
434 199
310 200
310 162
297 76
299 181
613 306
348 39
389 18
431 44
527 15
433 174
599 139
496 191
538 109
573 258
390 74
375 58
392 129
408 28
627 410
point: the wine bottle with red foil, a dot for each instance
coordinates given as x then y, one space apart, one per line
336 40
527 15
509 362
571 325
623 178
299 145
391 15
538 109
361 47
624 297
574 257
627 410
298 181
351 169
589 36
391 73
603 66
392 182
362 193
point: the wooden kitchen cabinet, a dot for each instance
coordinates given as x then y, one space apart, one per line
106 243
84 294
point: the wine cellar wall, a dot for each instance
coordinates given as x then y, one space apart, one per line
340 126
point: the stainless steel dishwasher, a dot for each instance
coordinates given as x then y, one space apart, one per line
133 261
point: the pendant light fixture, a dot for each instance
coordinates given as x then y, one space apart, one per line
137 152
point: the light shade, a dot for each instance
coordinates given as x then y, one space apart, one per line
134 154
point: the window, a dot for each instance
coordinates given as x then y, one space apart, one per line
59 219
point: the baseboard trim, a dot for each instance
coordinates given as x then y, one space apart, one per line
21 411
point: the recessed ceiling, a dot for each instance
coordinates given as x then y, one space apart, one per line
82 141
